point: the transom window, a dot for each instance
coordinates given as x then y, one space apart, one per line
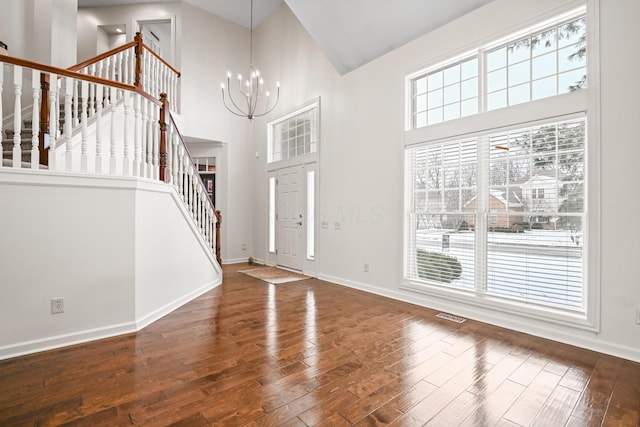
542 61
446 94
294 135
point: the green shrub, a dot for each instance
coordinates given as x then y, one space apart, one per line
438 266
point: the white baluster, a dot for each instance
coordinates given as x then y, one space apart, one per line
1 115
99 101
125 67
114 141
75 103
136 135
84 159
156 143
143 137
17 117
68 95
53 120
176 160
92 92
35 119
126 160
180 173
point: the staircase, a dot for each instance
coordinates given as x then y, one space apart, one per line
120 108
101 201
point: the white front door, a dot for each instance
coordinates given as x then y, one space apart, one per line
290 218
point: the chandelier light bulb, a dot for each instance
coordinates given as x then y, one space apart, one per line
229 75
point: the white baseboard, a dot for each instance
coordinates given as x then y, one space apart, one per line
498 319
159 313
51 343
80 337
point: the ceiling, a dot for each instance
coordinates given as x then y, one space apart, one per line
350 32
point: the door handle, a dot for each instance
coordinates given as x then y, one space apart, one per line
299 223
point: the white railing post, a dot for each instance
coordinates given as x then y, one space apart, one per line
136 134
99 101
53 120
84 89
143 137
35 119
75 103
91 70
114 141
68 126
126 159
17 117
156 143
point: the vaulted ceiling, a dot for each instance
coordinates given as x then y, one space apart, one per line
350 32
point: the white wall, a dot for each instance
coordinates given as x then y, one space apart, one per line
113 248
361 173
40 30
167 246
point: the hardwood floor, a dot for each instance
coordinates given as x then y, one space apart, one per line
314 353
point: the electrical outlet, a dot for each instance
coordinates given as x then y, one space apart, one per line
366 268
243 246
57 305
336 225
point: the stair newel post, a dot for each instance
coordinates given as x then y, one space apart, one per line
218 225
68 95
138 70
164 172
44 119
35 119
84 160
99 100
136 134
53 120
114 142
126 158
17 117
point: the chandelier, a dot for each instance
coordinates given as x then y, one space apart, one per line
249 92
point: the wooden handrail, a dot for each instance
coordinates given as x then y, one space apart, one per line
148 49
102 56
64 72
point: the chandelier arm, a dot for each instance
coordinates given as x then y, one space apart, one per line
272 108
224 101
230 110
231 97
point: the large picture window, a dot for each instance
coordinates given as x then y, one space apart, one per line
496 208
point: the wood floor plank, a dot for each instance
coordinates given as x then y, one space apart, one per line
314 353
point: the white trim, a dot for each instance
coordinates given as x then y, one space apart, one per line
160 312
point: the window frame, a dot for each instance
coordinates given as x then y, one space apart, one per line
580 103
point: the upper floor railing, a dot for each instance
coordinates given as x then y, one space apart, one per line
134 63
